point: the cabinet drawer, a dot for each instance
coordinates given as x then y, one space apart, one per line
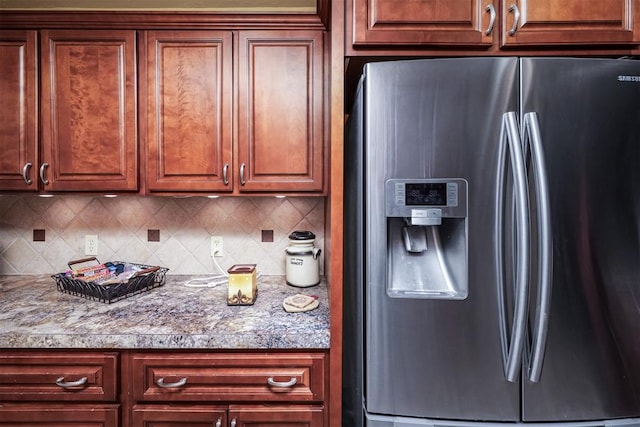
56 376
56 415
241 377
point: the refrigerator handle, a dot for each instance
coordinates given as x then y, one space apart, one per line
545 247
512 352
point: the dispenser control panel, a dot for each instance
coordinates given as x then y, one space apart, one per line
426 198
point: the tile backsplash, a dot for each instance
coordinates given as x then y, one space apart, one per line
185 224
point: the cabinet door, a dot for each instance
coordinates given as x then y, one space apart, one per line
570 22
171 416
189 81
280 117
89 137
398 23
263 416
18 120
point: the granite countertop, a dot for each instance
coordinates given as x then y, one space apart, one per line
34 314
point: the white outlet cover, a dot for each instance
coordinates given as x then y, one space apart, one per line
217 246
91 244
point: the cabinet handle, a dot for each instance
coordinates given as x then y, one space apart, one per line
516 17
275 383
242 181
219 422
44 180
69 384
160 383
25 173
225 174
233 422
492 18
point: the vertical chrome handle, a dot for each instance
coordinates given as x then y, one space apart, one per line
233 422
492 18
25 173
516 17
42 169
242 181
545 247
510 138
225 174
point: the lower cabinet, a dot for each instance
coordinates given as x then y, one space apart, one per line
163 388
59 389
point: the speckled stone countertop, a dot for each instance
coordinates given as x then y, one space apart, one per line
34 314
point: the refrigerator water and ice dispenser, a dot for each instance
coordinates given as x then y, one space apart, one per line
427 238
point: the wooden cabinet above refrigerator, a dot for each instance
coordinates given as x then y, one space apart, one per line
384 27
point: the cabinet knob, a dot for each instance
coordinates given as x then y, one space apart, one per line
70 384
160 383
25 173
516 17
275 383
44 180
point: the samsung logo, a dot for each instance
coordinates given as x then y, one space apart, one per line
635 79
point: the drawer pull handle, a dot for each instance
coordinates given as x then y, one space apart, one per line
160 383
219 422
275 383
69 384
233 423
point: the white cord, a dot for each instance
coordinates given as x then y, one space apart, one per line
209 282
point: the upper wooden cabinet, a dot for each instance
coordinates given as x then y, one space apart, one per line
280 111
398 23
19 117
89 140
270 84
375 26
189 120
570 22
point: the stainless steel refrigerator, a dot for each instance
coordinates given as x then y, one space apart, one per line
492 243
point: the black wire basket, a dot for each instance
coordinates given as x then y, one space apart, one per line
144 279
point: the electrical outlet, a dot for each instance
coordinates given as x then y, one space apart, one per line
91 244
216 246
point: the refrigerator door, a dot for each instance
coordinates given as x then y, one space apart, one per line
589 115
425 357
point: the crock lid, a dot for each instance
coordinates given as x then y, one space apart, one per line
302 235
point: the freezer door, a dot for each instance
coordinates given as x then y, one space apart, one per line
437 118
589 116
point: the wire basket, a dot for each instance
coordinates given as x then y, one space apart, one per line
144 279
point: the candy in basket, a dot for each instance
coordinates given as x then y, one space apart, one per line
109 281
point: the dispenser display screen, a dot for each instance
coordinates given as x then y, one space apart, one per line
426 194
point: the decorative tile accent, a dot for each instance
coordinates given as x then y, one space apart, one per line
185 225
